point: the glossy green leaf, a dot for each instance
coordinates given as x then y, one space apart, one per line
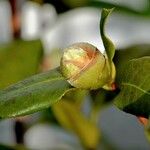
70 116
108 44
18 60
33 94
122 56
134 83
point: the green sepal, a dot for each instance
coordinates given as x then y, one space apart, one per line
108 44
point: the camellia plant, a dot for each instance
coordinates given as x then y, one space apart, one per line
121 78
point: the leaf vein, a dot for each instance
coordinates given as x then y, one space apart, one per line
132 85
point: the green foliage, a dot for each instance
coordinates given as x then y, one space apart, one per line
120 7
100 97
70 116
21 59
18 60
108 44
122 56
3 147
17 147
68 113
39 91
134 83
33 94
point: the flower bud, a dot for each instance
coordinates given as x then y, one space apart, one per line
85 67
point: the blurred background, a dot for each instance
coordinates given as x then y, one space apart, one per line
32 36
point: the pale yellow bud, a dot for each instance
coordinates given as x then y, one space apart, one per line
84 66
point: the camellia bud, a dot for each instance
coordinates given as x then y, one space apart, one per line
84 66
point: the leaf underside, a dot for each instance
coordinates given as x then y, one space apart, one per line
33 94
134 81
